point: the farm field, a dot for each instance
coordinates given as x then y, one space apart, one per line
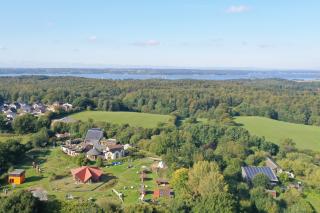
305 137
145 120
120 177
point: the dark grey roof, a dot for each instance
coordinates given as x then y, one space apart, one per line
94 152
94 135
17 172
252 171
98 146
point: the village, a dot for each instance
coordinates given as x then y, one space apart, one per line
12 110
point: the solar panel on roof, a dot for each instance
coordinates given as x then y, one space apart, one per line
252 171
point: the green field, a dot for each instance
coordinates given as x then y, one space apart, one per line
305 137
123 179
23 138
314 199
145 120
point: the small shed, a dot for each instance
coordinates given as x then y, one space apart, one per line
17 176
272 193
162 182
163 192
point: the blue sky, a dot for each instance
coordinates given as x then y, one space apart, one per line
282 34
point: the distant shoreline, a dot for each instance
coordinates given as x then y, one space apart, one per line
167 74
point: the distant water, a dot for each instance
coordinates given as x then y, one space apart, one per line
208 75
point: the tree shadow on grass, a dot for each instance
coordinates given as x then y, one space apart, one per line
39 153
148 179
149 192
33 179
107 177
237 124
107 181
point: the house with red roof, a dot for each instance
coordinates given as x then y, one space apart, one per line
86 174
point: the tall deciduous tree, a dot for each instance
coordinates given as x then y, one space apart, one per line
21 201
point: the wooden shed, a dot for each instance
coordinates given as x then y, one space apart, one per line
17 176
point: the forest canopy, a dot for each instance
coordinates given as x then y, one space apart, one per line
277 99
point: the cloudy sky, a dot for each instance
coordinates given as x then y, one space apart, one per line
283 34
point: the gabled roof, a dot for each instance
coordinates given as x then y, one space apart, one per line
252 171
271 163
86 173
94 135
94 152
115 147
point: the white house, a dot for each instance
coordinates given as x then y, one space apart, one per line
67 106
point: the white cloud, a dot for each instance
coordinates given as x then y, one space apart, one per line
92 38
238 9
147 43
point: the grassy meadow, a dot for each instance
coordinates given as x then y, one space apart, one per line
54 161
145 120
23 138
305 137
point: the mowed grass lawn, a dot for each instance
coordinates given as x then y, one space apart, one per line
305 137
145 120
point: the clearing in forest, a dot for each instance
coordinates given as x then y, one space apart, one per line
305 137
145 120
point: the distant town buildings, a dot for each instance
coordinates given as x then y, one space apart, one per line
12 110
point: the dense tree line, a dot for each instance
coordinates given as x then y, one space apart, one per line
277 99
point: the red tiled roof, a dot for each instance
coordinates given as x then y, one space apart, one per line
86 173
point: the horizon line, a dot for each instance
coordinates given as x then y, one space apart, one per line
163 68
